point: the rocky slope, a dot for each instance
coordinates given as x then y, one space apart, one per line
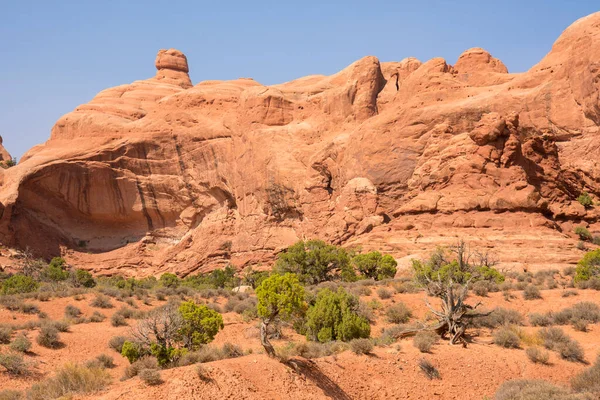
401 156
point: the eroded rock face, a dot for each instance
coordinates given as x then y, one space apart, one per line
161 175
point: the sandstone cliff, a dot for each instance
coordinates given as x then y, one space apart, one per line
163 175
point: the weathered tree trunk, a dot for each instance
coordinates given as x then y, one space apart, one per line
264 339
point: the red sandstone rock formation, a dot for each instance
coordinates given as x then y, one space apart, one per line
162 175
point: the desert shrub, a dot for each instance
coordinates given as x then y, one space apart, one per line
6 332
9 394
531 293
19 284
580 312
70 379
61 326
118 319
14 363
424 341
48 336
585 200
537 355
231 350
146 362
106 361
481 288
588 267
521 389
131 351
361 346
583 233
11 303
150 377
116 343
398 313
569 293
374 265
314 261
571 351
553 337
581 245
498 317
429 369
101 301
334 316
83 278
312 350
507 338
538 319
384 293
55 271
72 312
200 324
28 308
588 380
43 296
580 325
21 343
97 317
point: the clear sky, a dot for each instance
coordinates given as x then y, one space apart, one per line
55 55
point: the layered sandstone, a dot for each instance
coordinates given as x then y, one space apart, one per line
402 156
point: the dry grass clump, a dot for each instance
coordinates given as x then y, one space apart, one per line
384 293
28 308
14 363
498 317
106 361
101 301
97 316
557 340
361 346
537 355
150 377
117 320
424 341
507 338
532 293
48 336
116 343
429 369
69 380
398 313
523 389
72 312
539 319
9 394
203 373
21 344
588 380
146 362
6 332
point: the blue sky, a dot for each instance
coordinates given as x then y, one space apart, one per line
58 54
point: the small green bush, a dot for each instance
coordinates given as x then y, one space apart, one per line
19 284
588 267
585 200
507 338
83 278
424 341
131 351
334 316
169 280
583 233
